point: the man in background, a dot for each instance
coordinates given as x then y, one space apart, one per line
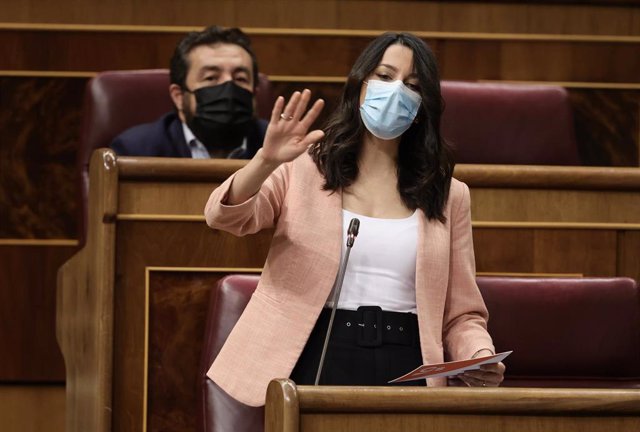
214 76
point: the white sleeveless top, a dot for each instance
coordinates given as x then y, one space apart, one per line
382 264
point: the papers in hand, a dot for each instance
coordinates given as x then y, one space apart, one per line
450 368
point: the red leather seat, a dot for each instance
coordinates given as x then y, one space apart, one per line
218 412
574 332
509 124
117 100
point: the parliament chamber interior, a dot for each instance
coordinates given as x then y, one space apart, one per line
116 297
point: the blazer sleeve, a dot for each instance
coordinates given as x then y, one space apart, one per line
465 318
258 212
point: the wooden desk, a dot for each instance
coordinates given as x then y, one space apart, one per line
372 409
131 304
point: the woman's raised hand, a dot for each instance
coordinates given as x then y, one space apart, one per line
287 135
286 139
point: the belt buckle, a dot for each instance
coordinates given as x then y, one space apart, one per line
370 326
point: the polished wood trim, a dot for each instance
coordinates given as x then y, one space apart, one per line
98 27
531 275
38 242
497 176
570 84
566 84
283 413
310 79
205 269
46 74
529 401
548 177
475 224
84 323
321 32
145 373
557 225
176 168
445 35
133 217
335 79
442 408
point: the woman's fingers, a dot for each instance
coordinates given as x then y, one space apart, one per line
302 105
473 381
287 133
312 114
291 106
490 375
277 109
311 138
498 368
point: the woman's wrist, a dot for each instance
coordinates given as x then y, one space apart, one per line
264 162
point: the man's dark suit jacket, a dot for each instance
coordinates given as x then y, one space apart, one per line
165 138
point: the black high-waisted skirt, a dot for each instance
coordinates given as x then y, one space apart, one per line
368 347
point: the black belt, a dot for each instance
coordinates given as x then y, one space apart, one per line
370 326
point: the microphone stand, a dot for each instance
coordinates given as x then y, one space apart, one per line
352 233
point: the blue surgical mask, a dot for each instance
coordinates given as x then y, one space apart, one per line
389 108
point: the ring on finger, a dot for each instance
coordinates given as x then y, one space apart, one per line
287 117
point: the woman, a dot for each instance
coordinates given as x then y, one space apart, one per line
382 160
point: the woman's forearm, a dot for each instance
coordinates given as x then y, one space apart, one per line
249 179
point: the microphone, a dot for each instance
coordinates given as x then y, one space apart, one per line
352 233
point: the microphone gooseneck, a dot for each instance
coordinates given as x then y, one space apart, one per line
352 233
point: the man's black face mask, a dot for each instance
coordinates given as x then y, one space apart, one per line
222 117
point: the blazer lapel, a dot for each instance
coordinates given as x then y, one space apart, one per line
322 216
330 237
432 270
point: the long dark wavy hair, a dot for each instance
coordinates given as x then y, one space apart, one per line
425 163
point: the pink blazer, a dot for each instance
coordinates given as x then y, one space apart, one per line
302 265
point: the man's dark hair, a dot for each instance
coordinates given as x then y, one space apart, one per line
179 65
425 163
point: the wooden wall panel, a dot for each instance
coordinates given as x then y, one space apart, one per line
178 305
143 244
598 112
629 253
30 352
32 408
528 17
39 126
470 57
60 50
553 251
513 248
503 17
555 206
592 253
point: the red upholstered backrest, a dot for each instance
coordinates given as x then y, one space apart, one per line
509 124
218 412
574 332
117 100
